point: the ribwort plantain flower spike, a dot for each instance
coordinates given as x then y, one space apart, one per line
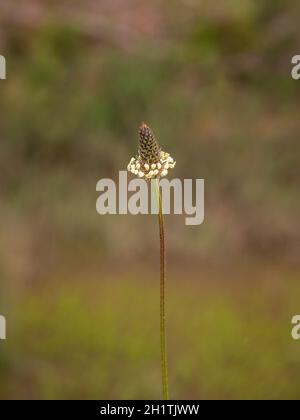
151 162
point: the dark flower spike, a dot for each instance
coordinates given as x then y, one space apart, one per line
151 162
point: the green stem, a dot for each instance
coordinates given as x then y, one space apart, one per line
163 351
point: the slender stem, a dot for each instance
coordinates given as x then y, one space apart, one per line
163 351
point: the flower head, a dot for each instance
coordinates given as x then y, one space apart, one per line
151 161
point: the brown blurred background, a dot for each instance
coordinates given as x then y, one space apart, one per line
80 291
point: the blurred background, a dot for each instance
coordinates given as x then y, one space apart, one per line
80 291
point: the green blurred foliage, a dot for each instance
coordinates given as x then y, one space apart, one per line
74 341
213 81
219 97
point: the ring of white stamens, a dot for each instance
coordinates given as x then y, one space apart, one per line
149 171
